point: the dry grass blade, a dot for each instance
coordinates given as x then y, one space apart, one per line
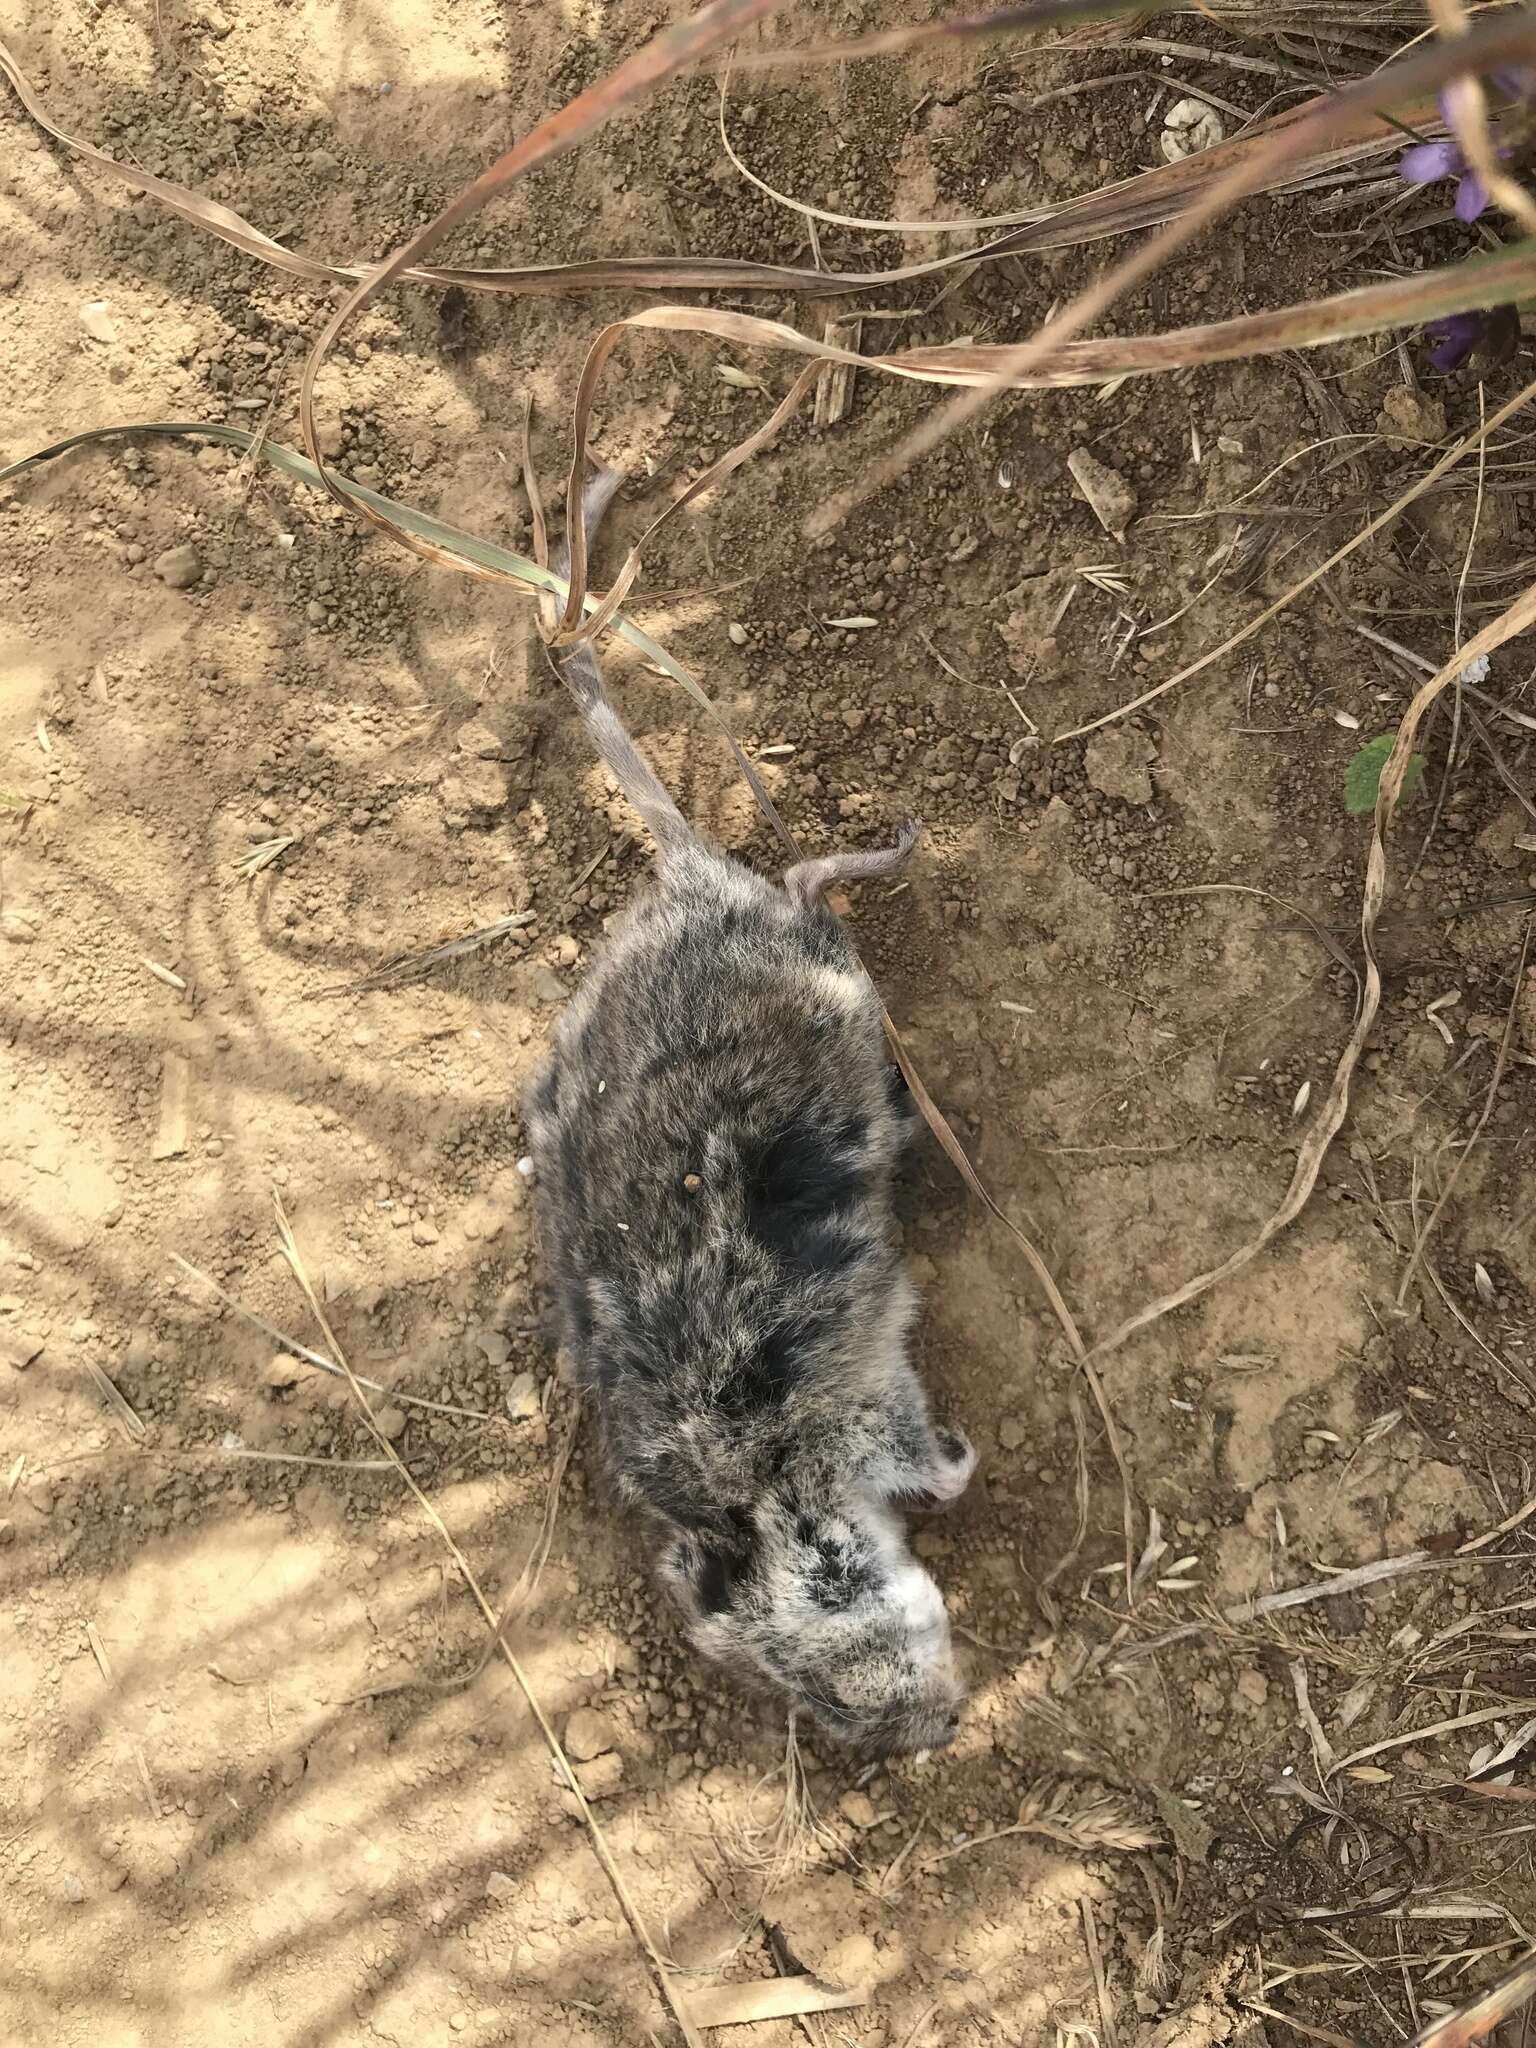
402 969
126 1417
1504 1711
1094 1828
1505 40
1476 2022
1307 2032
770 1998
1030 14
1469 442
1310 323
1309 1159
1147 199
1110 2031
317 1358
572 626
1501 1060
673 48
611 1871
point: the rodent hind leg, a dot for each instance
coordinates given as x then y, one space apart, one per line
809 880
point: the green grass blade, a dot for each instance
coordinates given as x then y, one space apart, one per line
469 547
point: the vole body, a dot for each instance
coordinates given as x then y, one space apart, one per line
714 1137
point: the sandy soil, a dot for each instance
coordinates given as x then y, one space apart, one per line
256 1782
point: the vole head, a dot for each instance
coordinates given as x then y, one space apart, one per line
829 1608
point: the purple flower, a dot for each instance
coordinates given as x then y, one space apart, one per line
1427 163
1490 334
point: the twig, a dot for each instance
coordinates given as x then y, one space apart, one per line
1516 618
604 1855
1476 2022
318 1360
1100 1986
1448 461
404 968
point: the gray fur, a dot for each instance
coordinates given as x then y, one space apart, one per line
714 1137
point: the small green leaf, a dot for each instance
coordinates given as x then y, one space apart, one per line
1362 778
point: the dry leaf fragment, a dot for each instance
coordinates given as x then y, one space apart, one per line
769 1998
175 1107
1110 498
96 319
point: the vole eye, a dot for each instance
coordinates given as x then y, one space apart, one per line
714 1583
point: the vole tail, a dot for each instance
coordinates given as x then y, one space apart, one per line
582 676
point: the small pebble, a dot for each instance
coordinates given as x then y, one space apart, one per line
495 1347
523 1397
738 633
391 1423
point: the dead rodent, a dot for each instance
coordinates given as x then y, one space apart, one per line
714 1136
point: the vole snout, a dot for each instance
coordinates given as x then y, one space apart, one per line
830 1609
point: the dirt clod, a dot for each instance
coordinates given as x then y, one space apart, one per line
179 568
587 1735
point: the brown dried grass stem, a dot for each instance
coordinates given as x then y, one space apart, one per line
1516 618
1500 1062
1504 40
1470 441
